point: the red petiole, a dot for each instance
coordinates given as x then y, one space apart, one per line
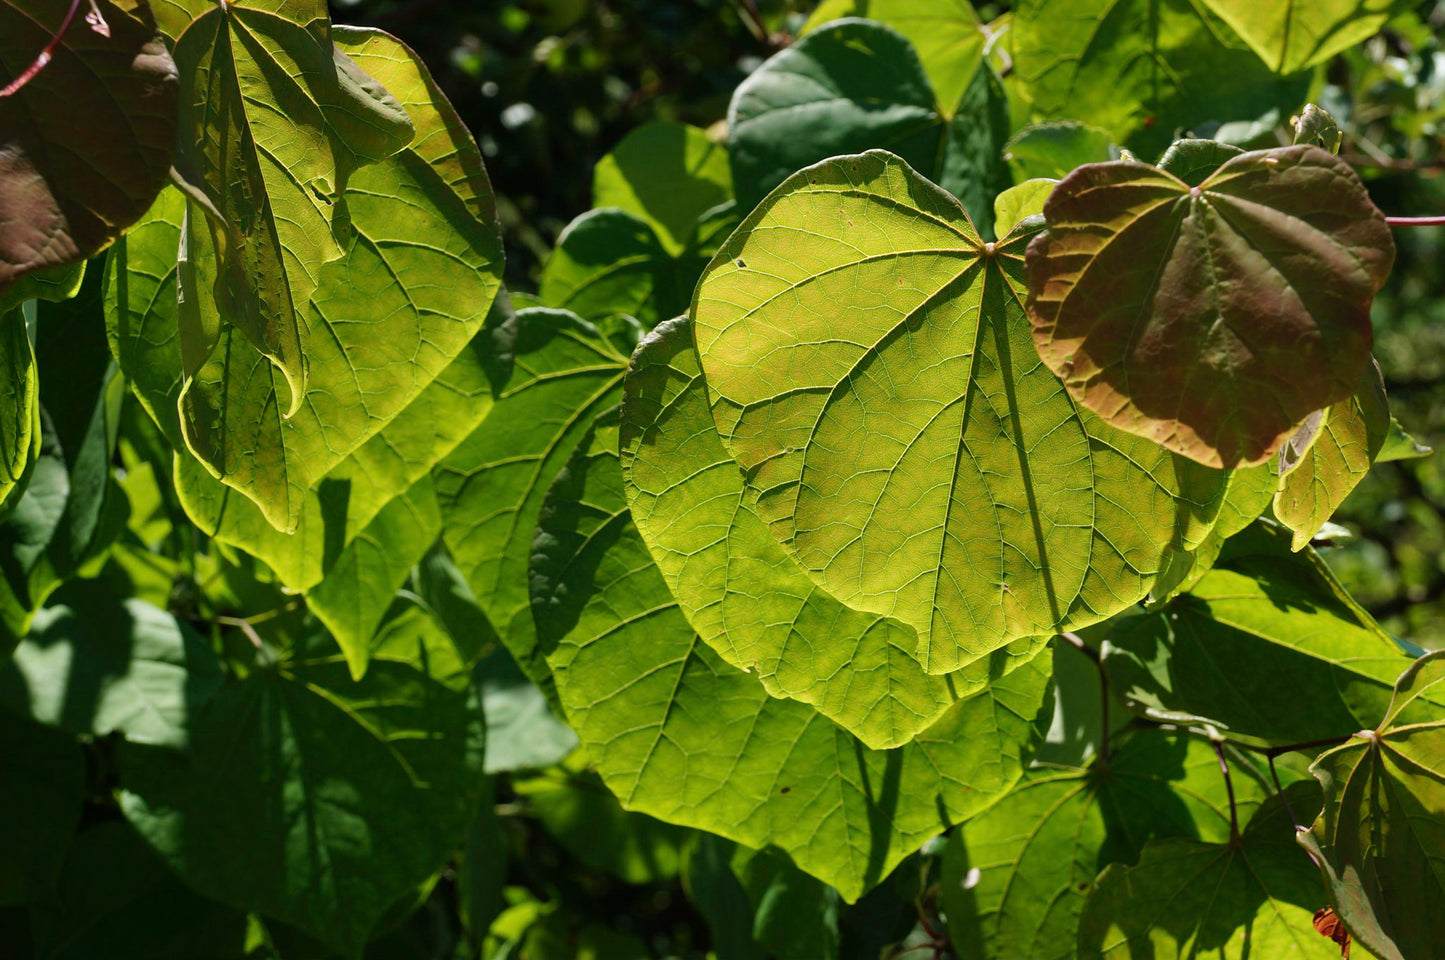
97 23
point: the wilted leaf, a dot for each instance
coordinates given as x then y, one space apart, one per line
87 142
1378 839
1215 318
853 85
669 174
743 595
341 796
681 735
1140 69
1015 878
1188 898
1329 455
869 367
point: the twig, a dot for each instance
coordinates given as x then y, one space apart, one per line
1273 752
1416 221
1228 786
97 23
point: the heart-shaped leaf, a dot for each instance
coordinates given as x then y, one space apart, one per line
87 142
1290 35
870 371
1211 318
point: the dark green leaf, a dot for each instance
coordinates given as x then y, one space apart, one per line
44 775
669 174
1055 148
1212 319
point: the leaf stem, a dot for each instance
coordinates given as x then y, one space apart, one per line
1272 752
97 23
1228 786
1279 788
1415 221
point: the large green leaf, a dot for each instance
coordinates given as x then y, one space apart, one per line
1329 455
1254 897
678 733
563 374
669 174
19 403
418 272
905 445
1220 652
856 84
1140 69
340 796
1379 838
610 261
44 776
742 594
1211 318
1015 878
87 141
274 118
95 665
1294 34
1054 148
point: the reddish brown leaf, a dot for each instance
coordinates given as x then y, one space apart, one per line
1212 319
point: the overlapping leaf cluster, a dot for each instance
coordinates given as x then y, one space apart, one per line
778 491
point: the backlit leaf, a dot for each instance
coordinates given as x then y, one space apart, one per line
87 142
1378 838
869 367
678 733
1329 455
669 174
610 261
742 594
1214 318
418 271
1292 34
1140 69
1192 898
1021 200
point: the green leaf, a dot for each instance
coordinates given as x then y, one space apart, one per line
1235 308
118 899
1185 661
713 888
855 84
353 597
1315 125
1055 148
906 447
1022 200
19 404
88 140
341 796
1378 839
610 261
1140 69
669 174
267 136
742 594
1295 34
679 734
491 487
1246 495
795 916
1016 878
1399 445
1187 898
1329 455
44 775
948 36
419 269
585 818
93 664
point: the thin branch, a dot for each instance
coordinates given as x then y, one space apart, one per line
1416 221
1229 786
97 23
1279 788
1272 752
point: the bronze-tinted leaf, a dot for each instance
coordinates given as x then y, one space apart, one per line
1211 318
85 145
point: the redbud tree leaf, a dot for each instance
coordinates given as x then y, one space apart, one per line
86 144
1212 319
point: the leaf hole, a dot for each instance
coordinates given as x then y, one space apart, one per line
785 791
741 265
